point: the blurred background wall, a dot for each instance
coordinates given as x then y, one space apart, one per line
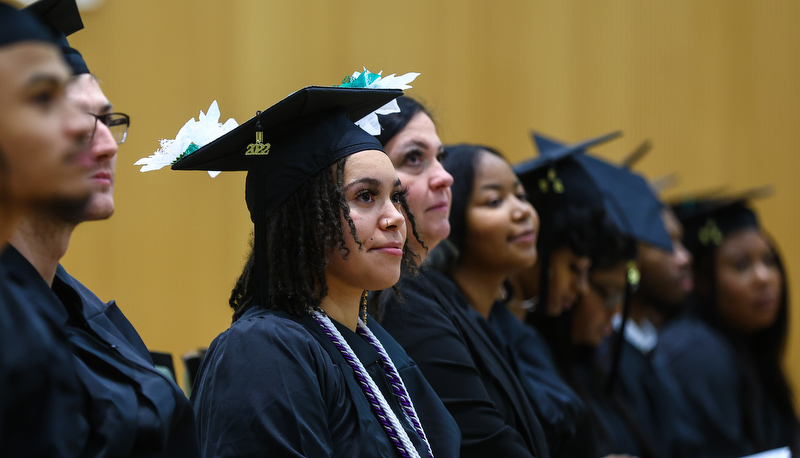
713 84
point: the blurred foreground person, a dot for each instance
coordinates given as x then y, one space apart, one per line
132 408
44 163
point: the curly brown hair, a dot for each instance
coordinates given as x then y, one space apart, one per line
300 236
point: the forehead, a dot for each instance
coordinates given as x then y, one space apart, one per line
85 91
749 240
492 168
27 62
419 129
369 163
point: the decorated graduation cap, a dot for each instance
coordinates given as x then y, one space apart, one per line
18 26
281 147
64 19
565 174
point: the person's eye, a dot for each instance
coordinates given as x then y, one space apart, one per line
365 196
494 202
43 98
399 196
441 156
741 265
413 157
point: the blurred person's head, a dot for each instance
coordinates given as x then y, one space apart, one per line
410 139
666 277
43 156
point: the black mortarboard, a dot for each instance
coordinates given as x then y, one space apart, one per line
305 132
17 26
706 222
285 145
64 19
565 175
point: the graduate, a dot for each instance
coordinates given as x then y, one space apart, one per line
652 396
725 353
44 163
132 408
442 322
303 370
590 208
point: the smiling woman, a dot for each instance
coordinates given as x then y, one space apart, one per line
442 322
302 371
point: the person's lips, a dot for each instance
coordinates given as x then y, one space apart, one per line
438 206
767 302
392 248
686 283
528 237
102 177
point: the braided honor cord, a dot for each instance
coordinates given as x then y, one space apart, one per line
398 387
385 415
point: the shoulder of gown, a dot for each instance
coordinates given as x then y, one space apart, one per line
433 324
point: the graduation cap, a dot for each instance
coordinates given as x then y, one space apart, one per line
64 19
285 145
707 221
565 175
17 26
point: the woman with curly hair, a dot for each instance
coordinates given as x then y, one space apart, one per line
303 371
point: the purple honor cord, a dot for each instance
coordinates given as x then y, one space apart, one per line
387 418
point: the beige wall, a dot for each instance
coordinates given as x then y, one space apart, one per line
714 85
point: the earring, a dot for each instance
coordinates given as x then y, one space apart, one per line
364 306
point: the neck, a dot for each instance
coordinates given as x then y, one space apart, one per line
43 242
8 222
641 309
342 305
480 287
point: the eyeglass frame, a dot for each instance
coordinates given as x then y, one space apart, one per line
104 119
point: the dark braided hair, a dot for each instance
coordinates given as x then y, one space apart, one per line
301 235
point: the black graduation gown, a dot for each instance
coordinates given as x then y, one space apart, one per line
558 407
654 402
40 397
710 375
132 408
464 362
274 384
610 429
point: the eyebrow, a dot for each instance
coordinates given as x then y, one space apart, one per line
106 108
368 180
48 78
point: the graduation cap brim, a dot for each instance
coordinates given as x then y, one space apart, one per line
62 15
552 151
227 152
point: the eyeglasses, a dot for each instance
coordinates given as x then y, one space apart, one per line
609 298
117 123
